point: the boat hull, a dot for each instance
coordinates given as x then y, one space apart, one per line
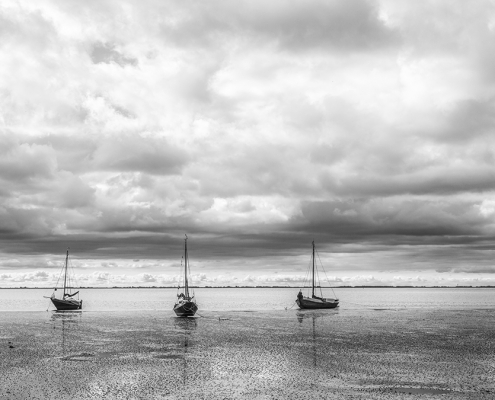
185 309
65 305
316 304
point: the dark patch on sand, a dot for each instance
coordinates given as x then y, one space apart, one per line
78 357
169 356
409 390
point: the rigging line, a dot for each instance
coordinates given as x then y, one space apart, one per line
319 283
68 277
325 272
55 285
371 307
318 274
308 273
72 276
190 281
306 276
179 281
47 307
317 279
219 318
59 277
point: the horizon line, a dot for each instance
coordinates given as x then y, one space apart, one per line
259 287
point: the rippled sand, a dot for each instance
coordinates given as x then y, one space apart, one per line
354 354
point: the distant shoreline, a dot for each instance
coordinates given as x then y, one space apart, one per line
261 287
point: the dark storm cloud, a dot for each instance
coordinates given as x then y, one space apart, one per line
439 181
489 269
383 217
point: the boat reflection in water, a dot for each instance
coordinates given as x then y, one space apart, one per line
185 327
67 323
312 317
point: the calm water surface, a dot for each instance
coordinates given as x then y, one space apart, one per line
255 299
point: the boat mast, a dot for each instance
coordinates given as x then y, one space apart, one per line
313 293
65 275
186 285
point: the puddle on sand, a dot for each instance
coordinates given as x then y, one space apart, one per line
408 390
79 357
107 354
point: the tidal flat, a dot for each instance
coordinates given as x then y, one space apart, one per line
281 354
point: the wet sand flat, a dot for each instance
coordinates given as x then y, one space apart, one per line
334 354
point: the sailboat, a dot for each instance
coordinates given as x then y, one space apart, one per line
186 305
315 302
67 302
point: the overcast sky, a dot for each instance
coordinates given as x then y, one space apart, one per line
255 127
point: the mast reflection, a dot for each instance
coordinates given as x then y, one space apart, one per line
66 322
186 326
313 316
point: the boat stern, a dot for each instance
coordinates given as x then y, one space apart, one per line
185 309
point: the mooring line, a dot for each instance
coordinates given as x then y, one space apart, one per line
293 304
219 318
372 307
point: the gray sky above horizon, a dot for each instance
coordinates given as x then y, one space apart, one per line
254 127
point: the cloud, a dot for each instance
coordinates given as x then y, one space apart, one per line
137 153
253 127
148 278
488 269
106 53
392 215
44 279
74 192
252 280
23 161
294 26
36 276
